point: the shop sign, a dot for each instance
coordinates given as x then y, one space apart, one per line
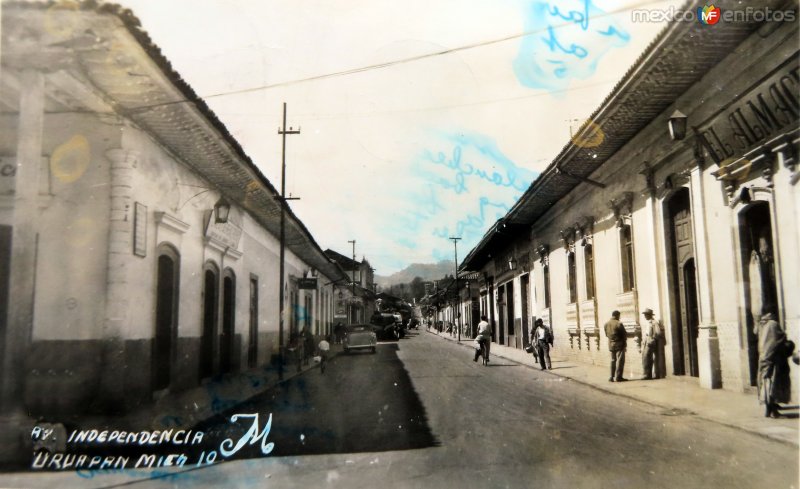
756 116
227 233
307 283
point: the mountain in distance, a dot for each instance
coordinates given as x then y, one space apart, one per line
426 271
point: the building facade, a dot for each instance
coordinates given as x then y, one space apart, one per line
699 224
355 295
140 246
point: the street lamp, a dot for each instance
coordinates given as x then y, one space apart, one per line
677 125
512 263
222 210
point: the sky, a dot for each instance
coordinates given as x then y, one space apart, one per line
420 120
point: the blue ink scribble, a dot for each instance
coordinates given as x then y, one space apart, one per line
565 42
464 184
300 314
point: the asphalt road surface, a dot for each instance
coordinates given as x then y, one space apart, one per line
420 413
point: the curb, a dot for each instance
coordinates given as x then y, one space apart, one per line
597 387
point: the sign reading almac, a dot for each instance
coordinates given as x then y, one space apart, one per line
757 115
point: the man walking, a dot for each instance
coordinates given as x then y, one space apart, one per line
652 341
544 340
617 343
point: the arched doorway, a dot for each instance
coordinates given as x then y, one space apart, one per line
210 316
758 272
228 321
166 323
5 285
683 283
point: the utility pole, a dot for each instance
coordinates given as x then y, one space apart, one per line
458 293
283 132
353 283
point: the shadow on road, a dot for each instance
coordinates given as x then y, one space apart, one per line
363 403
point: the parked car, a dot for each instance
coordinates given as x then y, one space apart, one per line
360 336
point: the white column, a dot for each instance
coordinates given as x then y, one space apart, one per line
119 266
19 324
708 358
120 245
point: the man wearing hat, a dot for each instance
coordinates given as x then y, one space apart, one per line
652 339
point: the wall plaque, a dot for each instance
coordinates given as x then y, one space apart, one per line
139 229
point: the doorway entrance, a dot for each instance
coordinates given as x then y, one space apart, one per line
758 271
683 284
210 316
5 278
226 360
166 317
501 314
524 291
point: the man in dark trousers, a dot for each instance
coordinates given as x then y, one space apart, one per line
617 342
653 341
544 341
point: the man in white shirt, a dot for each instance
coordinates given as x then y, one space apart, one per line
544 340
484 339
324 347
653 339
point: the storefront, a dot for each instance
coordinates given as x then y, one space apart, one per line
679 194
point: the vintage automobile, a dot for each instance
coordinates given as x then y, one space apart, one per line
360 336
385 326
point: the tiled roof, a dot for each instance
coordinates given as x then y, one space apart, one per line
140 84
680 55
345 262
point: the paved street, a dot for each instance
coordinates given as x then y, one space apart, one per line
416 414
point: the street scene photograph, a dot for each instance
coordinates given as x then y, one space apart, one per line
421 244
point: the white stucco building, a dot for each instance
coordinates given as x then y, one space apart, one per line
118 283
701 227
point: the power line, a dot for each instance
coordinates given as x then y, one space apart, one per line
391 63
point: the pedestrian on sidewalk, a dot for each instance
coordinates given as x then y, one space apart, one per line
544 341
338 331
532 347
774 350
617 343
308 344
324 347
484 339
295 348
653 341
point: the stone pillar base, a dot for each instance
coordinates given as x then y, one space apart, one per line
708 357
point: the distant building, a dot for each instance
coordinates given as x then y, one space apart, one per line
139 245
701 226
355 295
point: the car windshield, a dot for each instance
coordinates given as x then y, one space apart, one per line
358 329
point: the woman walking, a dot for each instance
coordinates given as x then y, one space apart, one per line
774 385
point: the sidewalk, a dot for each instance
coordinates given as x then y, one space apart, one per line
676 395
